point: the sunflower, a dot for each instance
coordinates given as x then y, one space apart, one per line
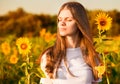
42 32
24 45
48 36
5 48
101 70
103 21
13 59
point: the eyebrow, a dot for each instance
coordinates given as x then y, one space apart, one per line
65 17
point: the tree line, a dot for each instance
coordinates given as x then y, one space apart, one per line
20 23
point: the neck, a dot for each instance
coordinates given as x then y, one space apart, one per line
72 41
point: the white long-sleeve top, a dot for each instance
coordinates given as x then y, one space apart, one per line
77 66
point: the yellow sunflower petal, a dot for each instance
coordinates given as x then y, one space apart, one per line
103 21
101 70
24 45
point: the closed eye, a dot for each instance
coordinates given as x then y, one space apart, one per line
69 19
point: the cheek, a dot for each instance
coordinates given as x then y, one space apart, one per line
58 24
62 32
73 28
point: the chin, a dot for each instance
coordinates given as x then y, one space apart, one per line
62 34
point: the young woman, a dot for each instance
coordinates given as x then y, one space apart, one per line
72 59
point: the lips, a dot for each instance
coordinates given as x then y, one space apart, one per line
62 29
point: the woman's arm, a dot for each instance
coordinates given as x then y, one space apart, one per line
43 63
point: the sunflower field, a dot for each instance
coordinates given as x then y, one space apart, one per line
19 58
24 36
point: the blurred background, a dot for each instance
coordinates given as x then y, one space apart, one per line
15 15
37 20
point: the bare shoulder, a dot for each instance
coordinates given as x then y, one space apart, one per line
44 61
46 56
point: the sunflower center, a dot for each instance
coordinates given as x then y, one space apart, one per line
23 46
103 23
13 59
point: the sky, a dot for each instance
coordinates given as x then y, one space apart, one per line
52 6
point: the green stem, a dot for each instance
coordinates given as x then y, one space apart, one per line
28 75
108 82
104 60
107 79
100 36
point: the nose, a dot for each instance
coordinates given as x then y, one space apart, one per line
62 23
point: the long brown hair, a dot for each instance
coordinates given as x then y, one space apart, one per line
58 51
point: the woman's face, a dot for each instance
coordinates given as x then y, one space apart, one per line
66 23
